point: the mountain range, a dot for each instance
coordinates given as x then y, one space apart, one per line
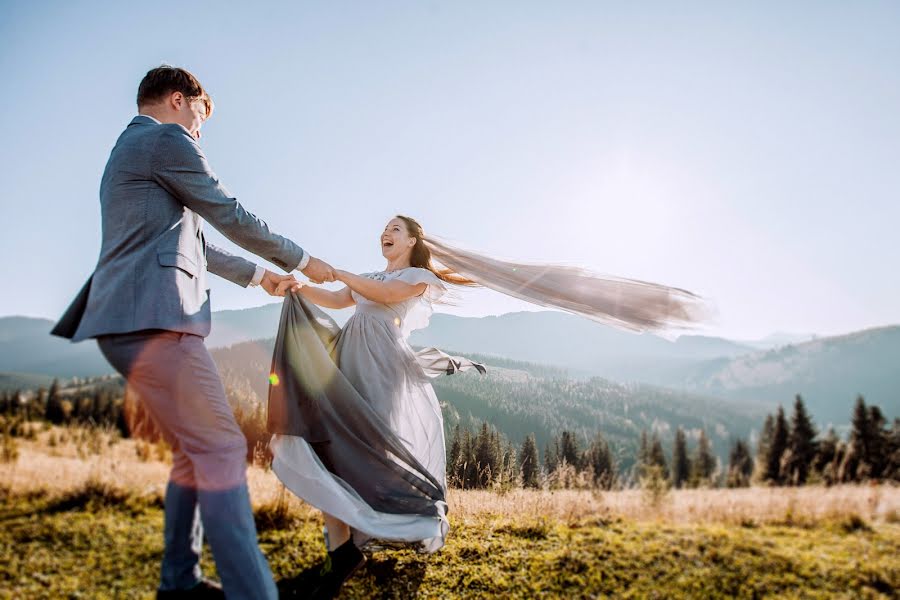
828 372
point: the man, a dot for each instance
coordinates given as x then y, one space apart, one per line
147 304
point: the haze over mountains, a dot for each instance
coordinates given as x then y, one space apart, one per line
828 372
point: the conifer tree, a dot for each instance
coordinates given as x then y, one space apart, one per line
569 449
892 469
485 457
529 463
878 450
762 448
866 448
55 413
681 466
740 465
704 463
510 467
801 445
454 454
657 457
826 461
777 448
468 469
601 462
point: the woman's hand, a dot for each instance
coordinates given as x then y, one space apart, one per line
287 285
277 285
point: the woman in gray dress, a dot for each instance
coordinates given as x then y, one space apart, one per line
358 428
373 356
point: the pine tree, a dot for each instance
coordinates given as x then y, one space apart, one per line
776 449
551 461
892 470
763 447
55 413
643 457
454 455
657 457
740 465
468 469
704 463
878 450
801 445
485 457
826 461
681 466
601 462
569 449
529 463
510 469
866 448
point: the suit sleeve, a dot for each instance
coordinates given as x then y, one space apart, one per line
180 167
236 269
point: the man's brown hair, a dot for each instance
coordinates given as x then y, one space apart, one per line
164 80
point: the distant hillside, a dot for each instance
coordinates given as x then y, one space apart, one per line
26 346
236 326
576 343
23 381
520 398
828 372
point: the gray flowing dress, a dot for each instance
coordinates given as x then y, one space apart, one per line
358 428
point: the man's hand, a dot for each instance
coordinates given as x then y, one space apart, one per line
278 285
288 285
318 271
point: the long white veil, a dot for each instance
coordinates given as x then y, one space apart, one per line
625 303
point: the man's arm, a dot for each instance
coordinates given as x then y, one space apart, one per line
244 272
180 166
236 269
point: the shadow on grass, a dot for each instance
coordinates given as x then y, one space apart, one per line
95 495
299 586
381 577
392 578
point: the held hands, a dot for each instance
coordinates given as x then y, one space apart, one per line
279 285
319 271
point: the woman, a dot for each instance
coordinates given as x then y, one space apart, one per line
358 429
338 470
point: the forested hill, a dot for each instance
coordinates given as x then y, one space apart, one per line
519 398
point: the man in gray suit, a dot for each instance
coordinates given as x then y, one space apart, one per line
147 304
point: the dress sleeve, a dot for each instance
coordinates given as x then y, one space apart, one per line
436 288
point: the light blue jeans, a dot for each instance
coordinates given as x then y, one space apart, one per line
177 382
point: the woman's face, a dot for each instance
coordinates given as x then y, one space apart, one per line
395 240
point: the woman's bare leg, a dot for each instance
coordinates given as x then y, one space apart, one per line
338 532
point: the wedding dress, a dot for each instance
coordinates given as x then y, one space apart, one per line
358 427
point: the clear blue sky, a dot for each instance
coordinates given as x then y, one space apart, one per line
749 154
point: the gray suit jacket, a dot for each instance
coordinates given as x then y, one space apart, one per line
155 194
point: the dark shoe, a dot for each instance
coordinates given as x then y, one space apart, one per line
339 566
205 590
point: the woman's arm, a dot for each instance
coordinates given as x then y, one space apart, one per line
385 292
338 299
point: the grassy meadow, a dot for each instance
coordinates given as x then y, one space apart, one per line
81 515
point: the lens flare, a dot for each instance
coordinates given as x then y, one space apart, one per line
273 379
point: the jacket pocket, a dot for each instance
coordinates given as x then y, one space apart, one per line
178 260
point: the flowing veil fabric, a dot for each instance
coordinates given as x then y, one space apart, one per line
626 303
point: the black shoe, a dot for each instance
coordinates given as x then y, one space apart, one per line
205 590
339 566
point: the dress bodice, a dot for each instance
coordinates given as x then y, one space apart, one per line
410 314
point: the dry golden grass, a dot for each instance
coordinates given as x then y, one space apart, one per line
60 460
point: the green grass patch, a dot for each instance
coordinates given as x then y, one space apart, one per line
100 543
